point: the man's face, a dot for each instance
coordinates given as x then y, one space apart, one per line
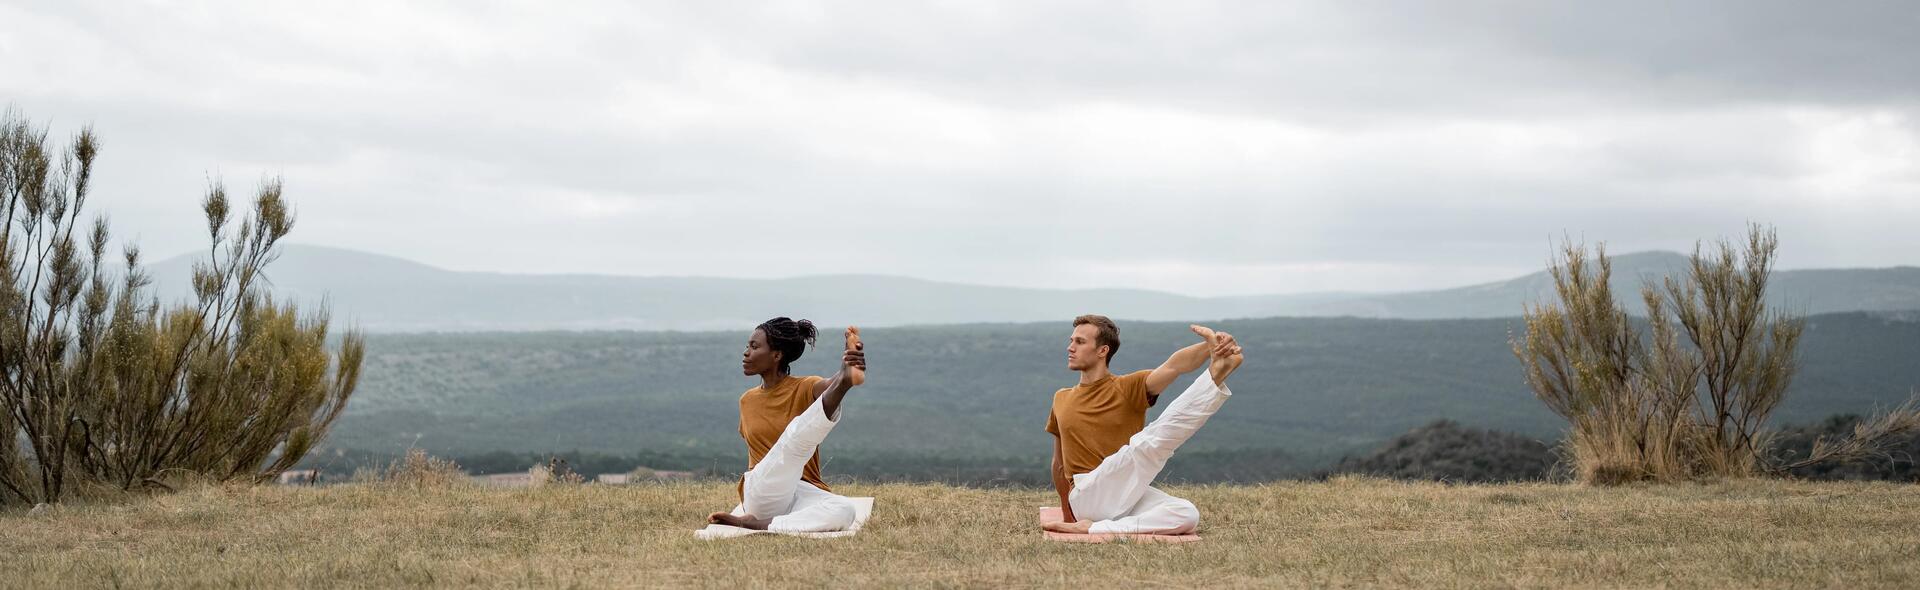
1083 349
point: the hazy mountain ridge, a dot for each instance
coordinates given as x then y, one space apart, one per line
387 294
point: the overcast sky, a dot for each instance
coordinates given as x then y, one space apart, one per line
1204 148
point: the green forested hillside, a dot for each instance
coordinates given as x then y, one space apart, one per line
974 397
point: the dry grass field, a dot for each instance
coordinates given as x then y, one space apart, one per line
1347 532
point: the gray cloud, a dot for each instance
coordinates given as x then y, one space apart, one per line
1207 148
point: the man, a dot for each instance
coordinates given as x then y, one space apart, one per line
1103 459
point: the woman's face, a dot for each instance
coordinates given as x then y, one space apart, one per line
759 358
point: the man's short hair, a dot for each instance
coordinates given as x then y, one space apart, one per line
1109 334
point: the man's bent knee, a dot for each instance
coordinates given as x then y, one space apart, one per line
1185 515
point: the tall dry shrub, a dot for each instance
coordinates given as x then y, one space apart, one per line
1688 397
102 384
1744 353
1586 360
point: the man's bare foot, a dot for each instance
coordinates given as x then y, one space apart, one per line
1225 352
1079 527
729 519
1224 366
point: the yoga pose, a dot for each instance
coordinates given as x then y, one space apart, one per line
1103 459
783 421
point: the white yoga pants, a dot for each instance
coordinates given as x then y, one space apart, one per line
1116 495
772 488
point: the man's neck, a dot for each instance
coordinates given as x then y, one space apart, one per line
1095 374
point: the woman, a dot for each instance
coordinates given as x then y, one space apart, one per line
783 421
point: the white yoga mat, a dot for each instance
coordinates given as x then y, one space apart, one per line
862 507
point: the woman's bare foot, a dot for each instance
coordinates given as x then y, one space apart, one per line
857 374
729 519
1080 527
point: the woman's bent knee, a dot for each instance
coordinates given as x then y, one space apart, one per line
832 514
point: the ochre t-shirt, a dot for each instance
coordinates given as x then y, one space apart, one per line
1094 420
764 414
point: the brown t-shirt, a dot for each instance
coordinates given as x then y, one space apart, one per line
1096 419
764 414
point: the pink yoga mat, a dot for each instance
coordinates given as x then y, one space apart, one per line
1052 514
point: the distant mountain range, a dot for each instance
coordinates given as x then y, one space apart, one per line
386 294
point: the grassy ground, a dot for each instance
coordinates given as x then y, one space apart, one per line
1348 532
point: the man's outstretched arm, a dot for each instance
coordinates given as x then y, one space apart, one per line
1186 360
1182 361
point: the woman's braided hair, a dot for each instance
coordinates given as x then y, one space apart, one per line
789 338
